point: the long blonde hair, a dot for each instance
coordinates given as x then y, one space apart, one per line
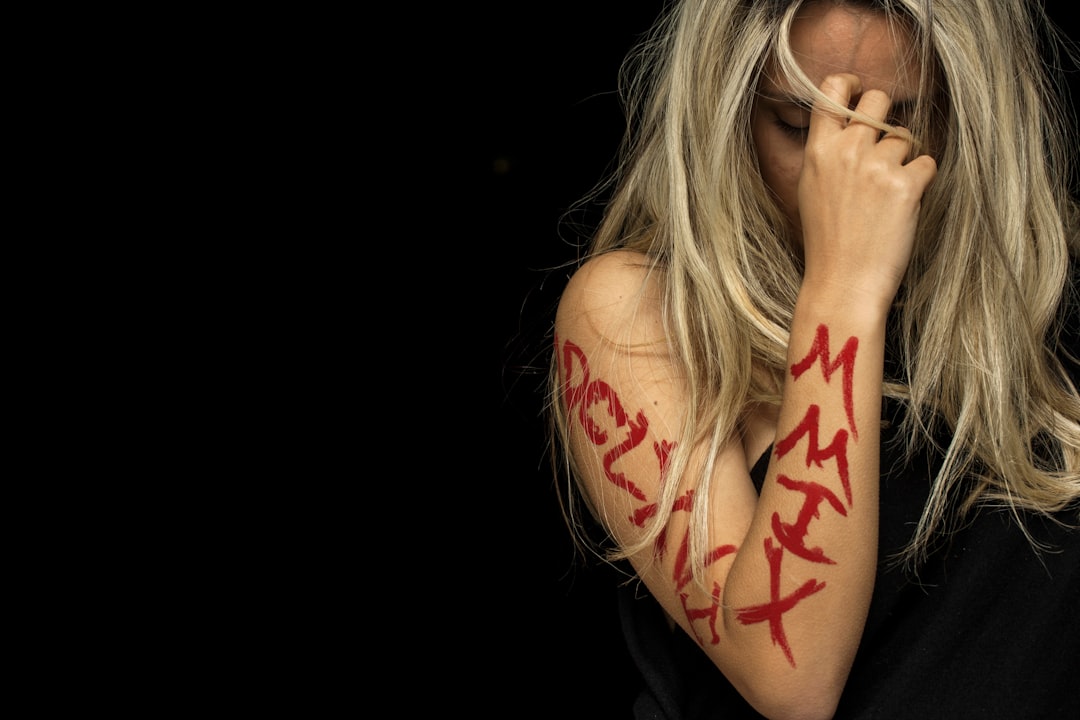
977 338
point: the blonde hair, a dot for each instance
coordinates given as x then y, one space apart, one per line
975 316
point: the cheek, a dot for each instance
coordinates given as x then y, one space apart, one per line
780 168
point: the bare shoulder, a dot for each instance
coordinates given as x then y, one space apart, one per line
615 296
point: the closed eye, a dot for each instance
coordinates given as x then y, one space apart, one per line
795 132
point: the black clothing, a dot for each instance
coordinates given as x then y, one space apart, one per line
989 629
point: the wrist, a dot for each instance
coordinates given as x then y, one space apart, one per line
829 300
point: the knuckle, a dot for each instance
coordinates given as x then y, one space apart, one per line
876 96
906 187
838 82
850 154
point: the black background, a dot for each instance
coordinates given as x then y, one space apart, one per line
548 125
536 123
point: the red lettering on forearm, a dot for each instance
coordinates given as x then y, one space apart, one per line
815 454
845 358
773 611
792 536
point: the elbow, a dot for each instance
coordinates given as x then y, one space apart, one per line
818 703
780 693
800 711
779 690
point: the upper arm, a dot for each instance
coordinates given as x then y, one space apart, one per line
625 399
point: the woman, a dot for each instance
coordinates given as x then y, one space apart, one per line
815 383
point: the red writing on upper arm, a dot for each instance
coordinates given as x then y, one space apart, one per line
582 398
683 574
583 395
791 536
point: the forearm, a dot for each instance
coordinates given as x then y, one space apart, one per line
797 595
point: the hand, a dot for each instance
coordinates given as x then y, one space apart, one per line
858 199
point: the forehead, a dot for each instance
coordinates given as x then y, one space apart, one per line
829 38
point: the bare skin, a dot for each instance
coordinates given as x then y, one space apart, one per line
792 570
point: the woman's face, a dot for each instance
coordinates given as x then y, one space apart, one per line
827 38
